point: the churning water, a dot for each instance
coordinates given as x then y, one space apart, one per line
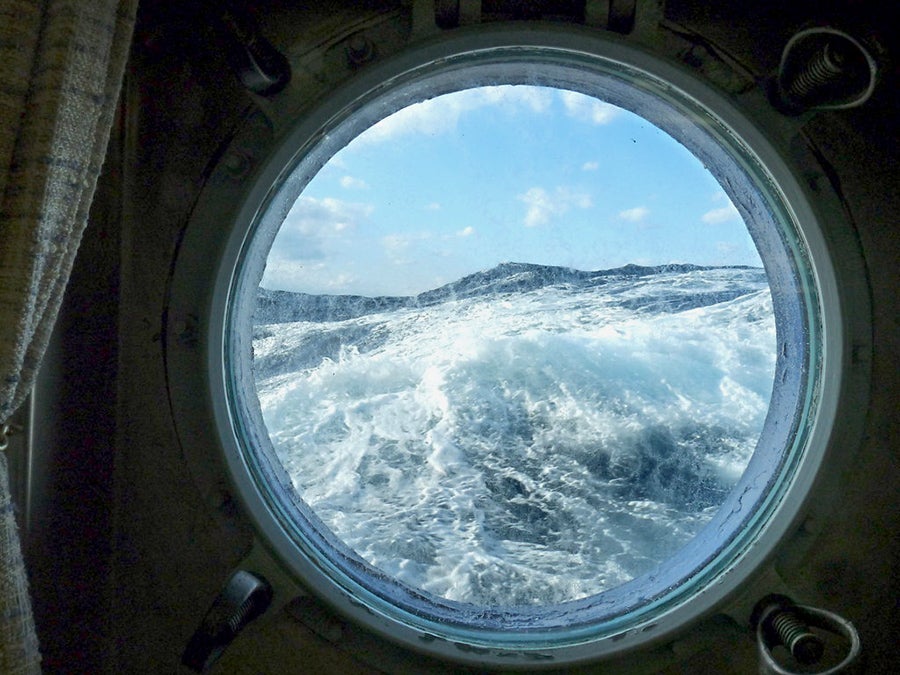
527 435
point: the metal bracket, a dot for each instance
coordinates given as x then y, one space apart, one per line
821 69
811 637
256 62
245 597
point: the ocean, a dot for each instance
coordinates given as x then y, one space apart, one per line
526 435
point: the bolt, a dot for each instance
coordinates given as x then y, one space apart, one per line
781 624
237 162
360 50
185 331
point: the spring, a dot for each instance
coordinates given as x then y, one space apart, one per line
806 647
823 68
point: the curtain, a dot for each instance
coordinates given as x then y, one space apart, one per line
61 65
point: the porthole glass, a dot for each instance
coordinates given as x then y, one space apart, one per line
468 376
520 351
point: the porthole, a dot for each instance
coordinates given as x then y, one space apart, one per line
731 503
486 397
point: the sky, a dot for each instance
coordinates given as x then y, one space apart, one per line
462 182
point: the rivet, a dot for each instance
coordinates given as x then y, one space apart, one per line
360 50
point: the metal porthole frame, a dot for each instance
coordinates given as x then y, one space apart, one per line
239 190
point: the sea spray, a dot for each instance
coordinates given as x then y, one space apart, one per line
526 437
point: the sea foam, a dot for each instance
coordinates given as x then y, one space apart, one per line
528 445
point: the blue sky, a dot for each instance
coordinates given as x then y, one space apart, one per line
468 180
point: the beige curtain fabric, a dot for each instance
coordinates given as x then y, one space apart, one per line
18 642
61 65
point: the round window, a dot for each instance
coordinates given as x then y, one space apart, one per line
520 348
480 392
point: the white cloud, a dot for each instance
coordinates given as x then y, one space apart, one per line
635 214
314 230
340 282
540 206
396 246
590 166
337 162
543 205
433 206
720 215
312 222
441 114
317 277
352 183
466 232
588 108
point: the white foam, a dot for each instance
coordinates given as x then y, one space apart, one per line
534 448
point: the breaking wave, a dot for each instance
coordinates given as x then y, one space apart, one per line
529 437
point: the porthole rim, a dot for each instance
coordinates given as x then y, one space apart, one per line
712 598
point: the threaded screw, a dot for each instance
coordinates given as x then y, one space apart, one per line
781 624
804 645
825 67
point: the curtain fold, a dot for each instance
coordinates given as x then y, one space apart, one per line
61 66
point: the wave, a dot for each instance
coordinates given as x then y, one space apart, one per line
276 306
527 446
